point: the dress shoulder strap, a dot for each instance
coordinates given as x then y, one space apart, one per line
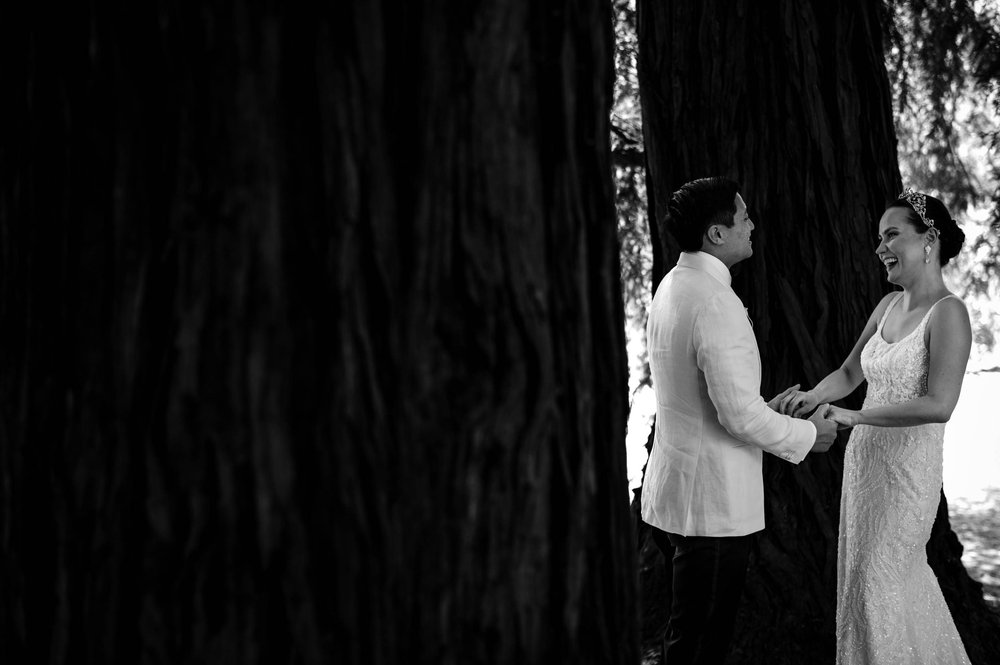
930 309
888 309
950 295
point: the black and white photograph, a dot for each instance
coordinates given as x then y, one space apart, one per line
500 332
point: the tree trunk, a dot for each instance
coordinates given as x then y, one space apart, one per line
790 99
312 336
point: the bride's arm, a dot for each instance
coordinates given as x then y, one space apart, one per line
842 381
949 339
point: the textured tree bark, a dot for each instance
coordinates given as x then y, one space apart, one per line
312 336
790 99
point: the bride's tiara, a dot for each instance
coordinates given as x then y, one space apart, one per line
918 202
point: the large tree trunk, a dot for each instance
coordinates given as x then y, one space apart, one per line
312 336
791 99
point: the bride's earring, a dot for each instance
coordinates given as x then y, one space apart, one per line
927 253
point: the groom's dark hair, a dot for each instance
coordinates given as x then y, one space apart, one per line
698 205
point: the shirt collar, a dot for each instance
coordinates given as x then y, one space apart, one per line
706 263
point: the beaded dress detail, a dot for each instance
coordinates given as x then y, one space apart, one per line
890 610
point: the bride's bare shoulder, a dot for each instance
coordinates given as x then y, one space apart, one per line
951 309
883 304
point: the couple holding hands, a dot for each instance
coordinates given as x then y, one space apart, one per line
703 488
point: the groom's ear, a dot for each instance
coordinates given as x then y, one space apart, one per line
715 235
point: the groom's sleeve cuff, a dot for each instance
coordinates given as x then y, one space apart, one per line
805 438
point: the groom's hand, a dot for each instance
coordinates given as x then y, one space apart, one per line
826 430
781 397
798 403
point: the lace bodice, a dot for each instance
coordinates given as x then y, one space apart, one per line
889 606
896 372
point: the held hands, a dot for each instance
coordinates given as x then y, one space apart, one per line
826 417
777 400
795 402
843 417
826 430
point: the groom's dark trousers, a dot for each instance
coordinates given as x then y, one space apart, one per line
708 578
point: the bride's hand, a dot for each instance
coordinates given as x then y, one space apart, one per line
797 403
777 400
844 418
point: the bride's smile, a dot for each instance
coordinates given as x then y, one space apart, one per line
901 248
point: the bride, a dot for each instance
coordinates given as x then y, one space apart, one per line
913 353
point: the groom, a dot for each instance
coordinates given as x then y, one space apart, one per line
703 493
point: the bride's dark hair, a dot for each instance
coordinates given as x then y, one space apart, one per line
950 235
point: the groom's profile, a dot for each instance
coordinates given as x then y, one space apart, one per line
703 493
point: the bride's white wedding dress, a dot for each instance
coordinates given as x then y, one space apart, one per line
889 605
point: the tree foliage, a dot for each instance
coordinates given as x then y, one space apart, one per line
630 185
943 58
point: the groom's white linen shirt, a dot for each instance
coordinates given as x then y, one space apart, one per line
704 474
